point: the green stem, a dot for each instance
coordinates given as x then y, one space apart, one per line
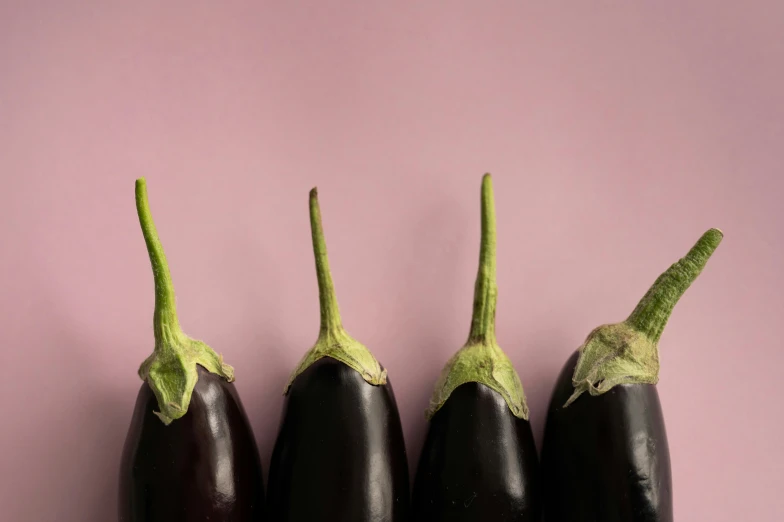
485 289
654 309
165 322
330 313
481 359
333 341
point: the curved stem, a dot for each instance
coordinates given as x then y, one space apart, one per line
654 309
485 290
330 313
165 322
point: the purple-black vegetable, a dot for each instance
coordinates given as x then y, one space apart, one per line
190 454
479 462
339 455
605 455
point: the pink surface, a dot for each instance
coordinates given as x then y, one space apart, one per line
616 134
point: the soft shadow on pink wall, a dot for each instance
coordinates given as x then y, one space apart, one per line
616 134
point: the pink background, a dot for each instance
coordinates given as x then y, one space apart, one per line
617 132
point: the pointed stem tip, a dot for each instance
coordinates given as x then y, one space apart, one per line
485 289
330 313
654 309
165 320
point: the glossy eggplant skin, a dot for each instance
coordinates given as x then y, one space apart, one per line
606 458
479 462
203 466
340 454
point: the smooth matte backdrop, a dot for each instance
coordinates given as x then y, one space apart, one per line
617 132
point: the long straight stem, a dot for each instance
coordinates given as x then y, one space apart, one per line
165 320
485 289
654 309
330 313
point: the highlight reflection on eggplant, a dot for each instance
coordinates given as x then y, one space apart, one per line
195 458
479 462
605 454
340 454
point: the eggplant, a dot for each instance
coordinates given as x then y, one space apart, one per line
479 462
190 454
339 454
605 455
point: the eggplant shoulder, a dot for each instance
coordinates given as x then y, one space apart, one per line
479 460
204 465
340 454
606 457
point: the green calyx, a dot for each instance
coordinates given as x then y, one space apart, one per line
333 340
627 352
171 369
481 359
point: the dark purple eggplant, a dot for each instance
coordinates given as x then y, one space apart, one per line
195 458
340 454
605 455
479 462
